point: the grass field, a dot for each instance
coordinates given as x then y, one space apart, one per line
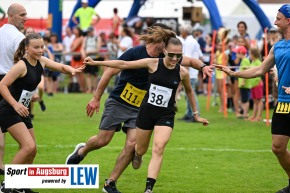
228 156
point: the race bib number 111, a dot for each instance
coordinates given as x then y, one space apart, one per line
132 95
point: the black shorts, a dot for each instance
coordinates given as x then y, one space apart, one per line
281 120
11 119
245 94
149 116
92 70
1 77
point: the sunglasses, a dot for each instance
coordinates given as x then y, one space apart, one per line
171 55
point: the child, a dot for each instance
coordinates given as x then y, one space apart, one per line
257 87
244 84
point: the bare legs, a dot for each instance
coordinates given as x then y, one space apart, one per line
279 148
26 140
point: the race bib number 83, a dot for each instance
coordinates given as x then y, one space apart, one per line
159 95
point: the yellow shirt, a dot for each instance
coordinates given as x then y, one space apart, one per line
85 16
219 74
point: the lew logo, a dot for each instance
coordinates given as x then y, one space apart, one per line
51 176
83 176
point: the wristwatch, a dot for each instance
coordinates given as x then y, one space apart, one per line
204 65
195 113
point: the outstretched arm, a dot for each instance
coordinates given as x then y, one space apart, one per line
190 95
197 64
60 67
257 71
121 64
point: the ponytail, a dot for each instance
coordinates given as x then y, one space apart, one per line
20 51
25 42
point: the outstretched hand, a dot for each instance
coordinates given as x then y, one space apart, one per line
287 89
88 61
207 71
201 120
225 69
77 70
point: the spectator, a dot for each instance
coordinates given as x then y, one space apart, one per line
112 46
116 22
125 41
244 84
242 29
221 58
57 51
257 87
66 42
85 15
77 59
191 48
90 49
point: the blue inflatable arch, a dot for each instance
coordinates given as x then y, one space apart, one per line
55 9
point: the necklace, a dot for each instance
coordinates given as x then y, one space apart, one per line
32 64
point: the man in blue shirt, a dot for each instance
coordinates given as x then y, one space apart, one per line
279 55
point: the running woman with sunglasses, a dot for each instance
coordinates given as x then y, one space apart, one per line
121 107
157 109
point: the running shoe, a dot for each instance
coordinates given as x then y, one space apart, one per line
110 186
74 157
3 189
26 190
136 161
42 105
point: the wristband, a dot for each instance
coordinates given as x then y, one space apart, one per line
195 113
204 65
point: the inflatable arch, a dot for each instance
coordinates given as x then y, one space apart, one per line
55 8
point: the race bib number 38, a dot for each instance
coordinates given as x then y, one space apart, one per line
25 97
159 95
132 95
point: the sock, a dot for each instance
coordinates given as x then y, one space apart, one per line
229 103
150 183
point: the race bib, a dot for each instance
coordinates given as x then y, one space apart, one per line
159 95
25 97
132 95
283 108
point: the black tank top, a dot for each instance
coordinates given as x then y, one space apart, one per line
162 88
23 85
131 87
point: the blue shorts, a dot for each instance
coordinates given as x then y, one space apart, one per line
245 94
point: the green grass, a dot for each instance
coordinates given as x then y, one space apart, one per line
228 156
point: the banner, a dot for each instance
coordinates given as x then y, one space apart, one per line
52 176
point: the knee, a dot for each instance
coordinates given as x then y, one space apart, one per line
158 149
30 149
130 144
99 141
278 149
